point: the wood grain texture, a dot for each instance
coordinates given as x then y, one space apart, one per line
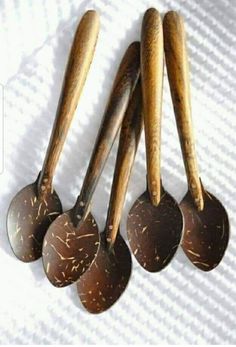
72 241
128 143
178 74
152 81
77 69
105 281
123 87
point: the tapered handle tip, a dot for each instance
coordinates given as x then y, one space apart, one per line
91 20
92 14
152 17
152 60
172 18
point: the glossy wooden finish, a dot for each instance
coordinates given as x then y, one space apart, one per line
35 207
155 221
178 74
104 282
80 58
206 227
129 139
123 87
152 80
72 241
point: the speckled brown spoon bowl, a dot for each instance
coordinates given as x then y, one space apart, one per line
35 207
72 240
155 221
206 231
104 282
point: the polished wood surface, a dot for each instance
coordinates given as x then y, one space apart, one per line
124 84
128 142
107 278
152 80
80 58
178 74
71 243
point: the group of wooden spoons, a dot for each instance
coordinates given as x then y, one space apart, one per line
70 243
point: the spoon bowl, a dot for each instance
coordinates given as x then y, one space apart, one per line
206 233
110 273
70 250
152 230
28 219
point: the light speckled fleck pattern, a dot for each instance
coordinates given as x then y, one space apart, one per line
107 278
28 219
181 304
68 251
206 232
154 232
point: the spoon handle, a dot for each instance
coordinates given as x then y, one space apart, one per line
81 55
152 80
123 86
128 143
178 75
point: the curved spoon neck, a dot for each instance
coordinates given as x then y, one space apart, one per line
199 204
110 240
44 184
111 230
155 196
197 192
154 188
80 211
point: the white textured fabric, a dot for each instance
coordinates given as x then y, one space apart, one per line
180 304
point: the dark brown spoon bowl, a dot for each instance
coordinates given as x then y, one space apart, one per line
104 282
28 219
37 205
206 232
68 251
154 232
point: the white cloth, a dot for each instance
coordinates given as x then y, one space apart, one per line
180 304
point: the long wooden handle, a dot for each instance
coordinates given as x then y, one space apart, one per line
81 55
178 74
128 142
152 53
123 87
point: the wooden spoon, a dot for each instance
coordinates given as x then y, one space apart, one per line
102 285
155 221
35 207
206 231
72 241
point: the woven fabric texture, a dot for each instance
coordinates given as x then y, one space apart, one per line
180 304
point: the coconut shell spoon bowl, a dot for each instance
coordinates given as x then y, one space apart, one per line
104 282
155 221
34 208
206 231
72 240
